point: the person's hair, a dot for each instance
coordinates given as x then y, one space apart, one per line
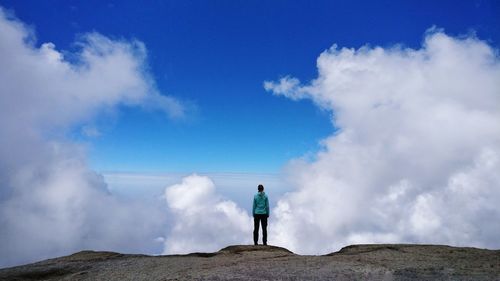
260 187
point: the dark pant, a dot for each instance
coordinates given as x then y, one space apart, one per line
263 220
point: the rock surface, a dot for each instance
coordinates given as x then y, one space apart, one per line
357 262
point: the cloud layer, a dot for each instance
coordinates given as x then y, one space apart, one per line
417 151
50 202
203 221
415 157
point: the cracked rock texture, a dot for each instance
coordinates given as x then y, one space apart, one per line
357 262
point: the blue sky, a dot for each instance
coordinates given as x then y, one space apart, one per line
168 114
215 56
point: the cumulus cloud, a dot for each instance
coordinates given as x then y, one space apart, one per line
51 203
90 131
287 86
416 154
202 220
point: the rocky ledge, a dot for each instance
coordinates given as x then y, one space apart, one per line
357 262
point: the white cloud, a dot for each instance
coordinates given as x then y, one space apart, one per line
200 216
416 157
240 187
90 131
202 220
417 153
51 203
287 86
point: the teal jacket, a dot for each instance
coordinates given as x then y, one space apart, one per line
260 204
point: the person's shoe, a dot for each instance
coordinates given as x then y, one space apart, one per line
255 244
265 244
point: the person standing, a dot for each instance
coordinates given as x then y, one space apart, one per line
260 215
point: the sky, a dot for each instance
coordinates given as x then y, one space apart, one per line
367 121
214 56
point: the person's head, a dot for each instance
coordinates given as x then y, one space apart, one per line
260 188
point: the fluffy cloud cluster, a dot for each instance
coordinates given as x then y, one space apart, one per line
416 154
202 220
415 157
50 202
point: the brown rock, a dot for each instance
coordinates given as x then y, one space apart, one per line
240 262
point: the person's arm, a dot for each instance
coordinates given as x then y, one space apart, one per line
267 206
253 208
